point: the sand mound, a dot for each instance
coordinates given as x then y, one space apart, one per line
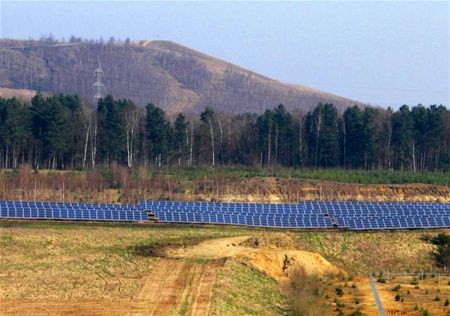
272 254
282 265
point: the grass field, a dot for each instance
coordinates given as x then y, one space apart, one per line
70 264
338 175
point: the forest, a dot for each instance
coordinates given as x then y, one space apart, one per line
61 132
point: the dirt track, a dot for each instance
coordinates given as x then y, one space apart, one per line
173 285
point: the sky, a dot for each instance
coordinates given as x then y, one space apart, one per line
383 53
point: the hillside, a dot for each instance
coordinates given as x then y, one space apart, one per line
172 76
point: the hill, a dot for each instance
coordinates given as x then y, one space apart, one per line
167 74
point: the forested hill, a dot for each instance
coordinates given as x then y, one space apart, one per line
175 78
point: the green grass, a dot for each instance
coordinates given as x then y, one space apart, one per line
365 252
240 290
338 175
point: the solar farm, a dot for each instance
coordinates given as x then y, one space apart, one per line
303 215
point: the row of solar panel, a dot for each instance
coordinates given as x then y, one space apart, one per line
305 222
300 211
200 216
188 205
69 204
101 215
43 208
300 204
395 223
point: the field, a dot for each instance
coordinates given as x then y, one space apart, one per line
117 269
416 295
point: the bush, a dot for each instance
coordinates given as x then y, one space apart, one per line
356 313
340 305
353 286
447 302
436 299
396 288
414 281
397 297
417 287
425 313
357 302
339 291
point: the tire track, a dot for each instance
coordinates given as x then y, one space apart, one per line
202 292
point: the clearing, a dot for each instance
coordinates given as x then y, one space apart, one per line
50 268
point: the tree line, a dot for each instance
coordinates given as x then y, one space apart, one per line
60 132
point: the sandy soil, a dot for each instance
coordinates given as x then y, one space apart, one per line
423 297
278 263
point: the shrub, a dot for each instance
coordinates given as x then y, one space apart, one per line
397 297
414 281
357 302
356 313
340 305
396 288
339 291
353 286
425 313
436 299
417 287
447 302
408 292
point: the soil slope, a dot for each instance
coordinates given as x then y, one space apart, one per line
278 263
172 76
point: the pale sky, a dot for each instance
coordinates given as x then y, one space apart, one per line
384 53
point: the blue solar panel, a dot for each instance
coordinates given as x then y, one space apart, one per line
307 214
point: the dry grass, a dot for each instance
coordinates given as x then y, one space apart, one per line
73 261
79 261
365 252
415 298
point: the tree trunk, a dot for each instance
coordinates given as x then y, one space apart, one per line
211 130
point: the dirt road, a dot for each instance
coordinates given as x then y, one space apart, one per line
173 286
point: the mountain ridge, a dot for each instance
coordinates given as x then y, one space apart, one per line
172 76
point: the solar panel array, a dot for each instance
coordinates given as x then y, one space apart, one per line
306 214
248 214
71 211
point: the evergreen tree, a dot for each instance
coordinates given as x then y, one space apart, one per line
158 134
402 137
111 134
328 138
180 138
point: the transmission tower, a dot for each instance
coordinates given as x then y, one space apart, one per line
98 85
